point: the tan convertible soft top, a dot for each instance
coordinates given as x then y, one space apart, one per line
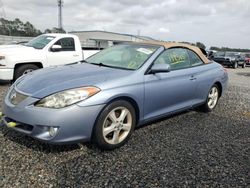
181 45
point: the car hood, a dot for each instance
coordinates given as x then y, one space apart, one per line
16 49
47 81
10 46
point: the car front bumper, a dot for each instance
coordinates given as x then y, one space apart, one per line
74 123
6 74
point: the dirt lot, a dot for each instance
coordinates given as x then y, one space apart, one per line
191 149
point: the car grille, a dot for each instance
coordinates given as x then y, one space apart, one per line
15 97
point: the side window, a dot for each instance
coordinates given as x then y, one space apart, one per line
177 58
194 59
68 44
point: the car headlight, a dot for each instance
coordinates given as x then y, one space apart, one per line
67 97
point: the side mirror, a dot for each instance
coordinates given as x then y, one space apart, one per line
56 48
162 67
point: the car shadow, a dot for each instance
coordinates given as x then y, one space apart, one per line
164 118
5 83
93 168
36 145
244 74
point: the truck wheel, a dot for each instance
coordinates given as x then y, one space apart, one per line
24 69
235 65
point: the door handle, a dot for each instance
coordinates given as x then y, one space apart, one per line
75 55
193 78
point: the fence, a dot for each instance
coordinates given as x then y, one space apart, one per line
12 39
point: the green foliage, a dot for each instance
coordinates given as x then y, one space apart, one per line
55 30
229 49
18 28
201 45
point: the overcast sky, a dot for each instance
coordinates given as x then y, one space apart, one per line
213 22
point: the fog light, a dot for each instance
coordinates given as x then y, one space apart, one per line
11 124
53 131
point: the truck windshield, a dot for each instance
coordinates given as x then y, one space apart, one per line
230 54
40 42
219 54
130 57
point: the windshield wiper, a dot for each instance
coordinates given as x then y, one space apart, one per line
110 66
103 65
84 61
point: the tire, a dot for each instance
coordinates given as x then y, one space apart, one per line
235 65
24 69
207 106
110 131
244 65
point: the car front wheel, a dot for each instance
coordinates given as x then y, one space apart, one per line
235 65
212 99
114 125
244 65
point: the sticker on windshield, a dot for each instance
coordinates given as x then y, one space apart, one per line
145 51
49 38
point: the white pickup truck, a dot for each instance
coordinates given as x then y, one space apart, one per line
43 51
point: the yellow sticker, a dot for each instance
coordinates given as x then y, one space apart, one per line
11 124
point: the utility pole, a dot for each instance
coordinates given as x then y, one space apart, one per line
2 11
60 5
138 32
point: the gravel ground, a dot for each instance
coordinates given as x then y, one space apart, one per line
191 149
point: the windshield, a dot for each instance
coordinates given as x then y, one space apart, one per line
127 56
40 42
219 54
247 55
230 54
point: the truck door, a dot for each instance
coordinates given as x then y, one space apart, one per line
67 54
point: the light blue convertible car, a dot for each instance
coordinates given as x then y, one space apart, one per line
105 97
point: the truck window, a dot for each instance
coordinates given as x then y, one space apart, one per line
68 44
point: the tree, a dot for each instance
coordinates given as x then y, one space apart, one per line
200 45
18 28
57 30
229 49
47 31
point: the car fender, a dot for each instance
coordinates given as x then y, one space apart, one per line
107 96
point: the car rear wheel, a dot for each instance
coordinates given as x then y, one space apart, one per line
24 69
212 99
114 125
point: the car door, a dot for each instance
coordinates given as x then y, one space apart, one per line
170 91
66 55
204 75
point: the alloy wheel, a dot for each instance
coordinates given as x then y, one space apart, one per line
213 97
117 125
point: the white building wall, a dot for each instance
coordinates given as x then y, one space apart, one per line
8 39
